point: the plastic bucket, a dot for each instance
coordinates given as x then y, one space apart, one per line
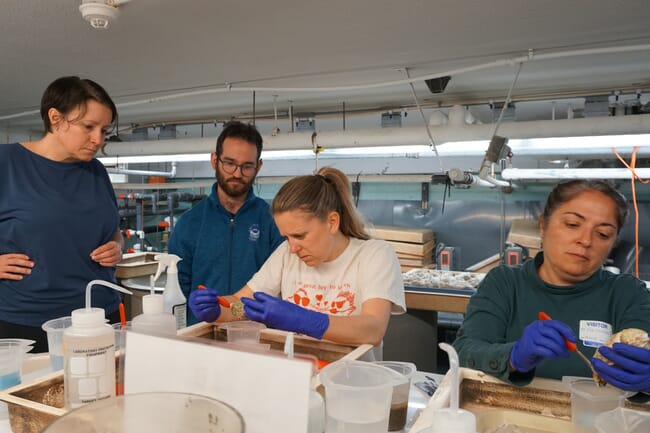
357 396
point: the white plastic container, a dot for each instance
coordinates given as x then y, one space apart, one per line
153 319
357 396
89 354
173 298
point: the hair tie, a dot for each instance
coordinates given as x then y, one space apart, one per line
327 180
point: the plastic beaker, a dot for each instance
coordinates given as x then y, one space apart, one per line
357 396
588 400
120 352
12 353
160 412
243 332
401 388
54 329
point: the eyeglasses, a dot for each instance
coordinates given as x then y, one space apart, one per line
247 168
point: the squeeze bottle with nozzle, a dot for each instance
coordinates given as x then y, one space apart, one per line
89 354
173 298
153 319
452 419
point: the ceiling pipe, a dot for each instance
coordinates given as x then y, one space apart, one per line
460 177
593 126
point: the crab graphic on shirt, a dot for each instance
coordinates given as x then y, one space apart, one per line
341 305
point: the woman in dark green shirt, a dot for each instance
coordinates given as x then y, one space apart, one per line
501 333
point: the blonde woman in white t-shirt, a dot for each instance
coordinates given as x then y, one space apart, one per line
328 279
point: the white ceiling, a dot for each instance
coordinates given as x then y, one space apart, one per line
158 48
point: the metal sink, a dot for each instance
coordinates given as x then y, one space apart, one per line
143 283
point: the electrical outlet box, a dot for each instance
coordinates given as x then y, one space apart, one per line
448 259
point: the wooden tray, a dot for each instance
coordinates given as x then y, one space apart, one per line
33 405
323 350
543 406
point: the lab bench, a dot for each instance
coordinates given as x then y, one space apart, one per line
433 314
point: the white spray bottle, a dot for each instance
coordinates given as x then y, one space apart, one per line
173 298
153 318
89 353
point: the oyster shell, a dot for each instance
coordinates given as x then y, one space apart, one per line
632 336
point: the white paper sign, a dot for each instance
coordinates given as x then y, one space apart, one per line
271 393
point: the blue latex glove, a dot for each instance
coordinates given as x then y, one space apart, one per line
204 304
541 339
631 369
280 314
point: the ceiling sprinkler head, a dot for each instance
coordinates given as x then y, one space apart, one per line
98 13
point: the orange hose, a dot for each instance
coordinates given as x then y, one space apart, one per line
633 179
122 315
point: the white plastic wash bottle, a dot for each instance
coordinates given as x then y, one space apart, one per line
175 301
153 319
89 354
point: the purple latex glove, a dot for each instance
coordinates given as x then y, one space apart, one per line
204 304
541 339
277 313
631 369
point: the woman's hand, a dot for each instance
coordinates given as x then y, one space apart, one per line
541 339
280 314
13 266
631 369
108 254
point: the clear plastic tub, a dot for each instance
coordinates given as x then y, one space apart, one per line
243 332
623 420
160 412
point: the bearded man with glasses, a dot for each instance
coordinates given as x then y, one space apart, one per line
226 237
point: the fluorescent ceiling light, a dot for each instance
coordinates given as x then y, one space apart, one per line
571 173
449 149
557 146
193 157
580 145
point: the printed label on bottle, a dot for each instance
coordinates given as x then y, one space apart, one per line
180 314
89 371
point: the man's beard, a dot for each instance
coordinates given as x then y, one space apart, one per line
234 189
